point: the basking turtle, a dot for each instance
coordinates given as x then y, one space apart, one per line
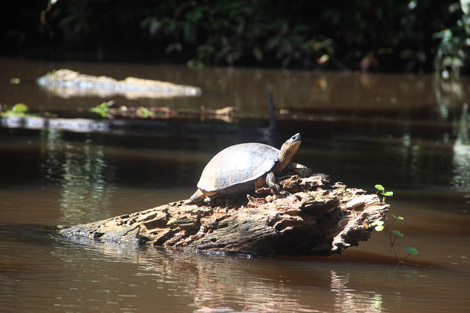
244 167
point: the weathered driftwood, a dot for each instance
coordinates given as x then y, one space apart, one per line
66 83
311 217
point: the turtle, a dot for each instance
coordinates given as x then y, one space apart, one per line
244 167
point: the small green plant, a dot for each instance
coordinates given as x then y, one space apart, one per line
102 109
384 193
378 225
18 110
143 112
411 251
394 234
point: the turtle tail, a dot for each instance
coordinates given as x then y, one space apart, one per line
197 196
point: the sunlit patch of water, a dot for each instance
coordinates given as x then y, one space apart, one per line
461 160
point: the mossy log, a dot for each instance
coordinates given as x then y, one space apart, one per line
310 217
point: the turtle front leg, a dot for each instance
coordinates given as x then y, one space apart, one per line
271 182
299 169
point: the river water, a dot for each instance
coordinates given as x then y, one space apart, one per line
408 133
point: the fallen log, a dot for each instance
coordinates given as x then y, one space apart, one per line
67 83
310 217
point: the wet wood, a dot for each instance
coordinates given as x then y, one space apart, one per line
310 217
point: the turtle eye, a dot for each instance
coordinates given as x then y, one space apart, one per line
296 137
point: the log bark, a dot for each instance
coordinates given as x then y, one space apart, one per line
310 217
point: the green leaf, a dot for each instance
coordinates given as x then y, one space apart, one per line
20 108
411 250
379 227
101 109
400 218
398 233
379 187
387 193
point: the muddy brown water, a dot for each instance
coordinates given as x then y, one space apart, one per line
409 133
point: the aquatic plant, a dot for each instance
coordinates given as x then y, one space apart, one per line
384 193
102 108
18 110
144 112
393 233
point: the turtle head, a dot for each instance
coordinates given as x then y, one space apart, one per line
296 138
288 149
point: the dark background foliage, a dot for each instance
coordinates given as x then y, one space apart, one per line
383 35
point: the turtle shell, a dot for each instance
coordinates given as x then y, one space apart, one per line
238 165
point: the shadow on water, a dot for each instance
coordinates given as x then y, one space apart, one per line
32 234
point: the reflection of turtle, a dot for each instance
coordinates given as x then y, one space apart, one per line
245 167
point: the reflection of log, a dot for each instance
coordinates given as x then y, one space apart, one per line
224 114
312 218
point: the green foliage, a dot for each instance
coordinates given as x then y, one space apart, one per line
411 250
381 225
383 192
143 112
106 110
102 108
397 233
18 110
453 51
380 187
227 32
389 35
398 217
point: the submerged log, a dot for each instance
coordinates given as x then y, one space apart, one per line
310 217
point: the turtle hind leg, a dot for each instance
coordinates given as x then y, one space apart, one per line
271 182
